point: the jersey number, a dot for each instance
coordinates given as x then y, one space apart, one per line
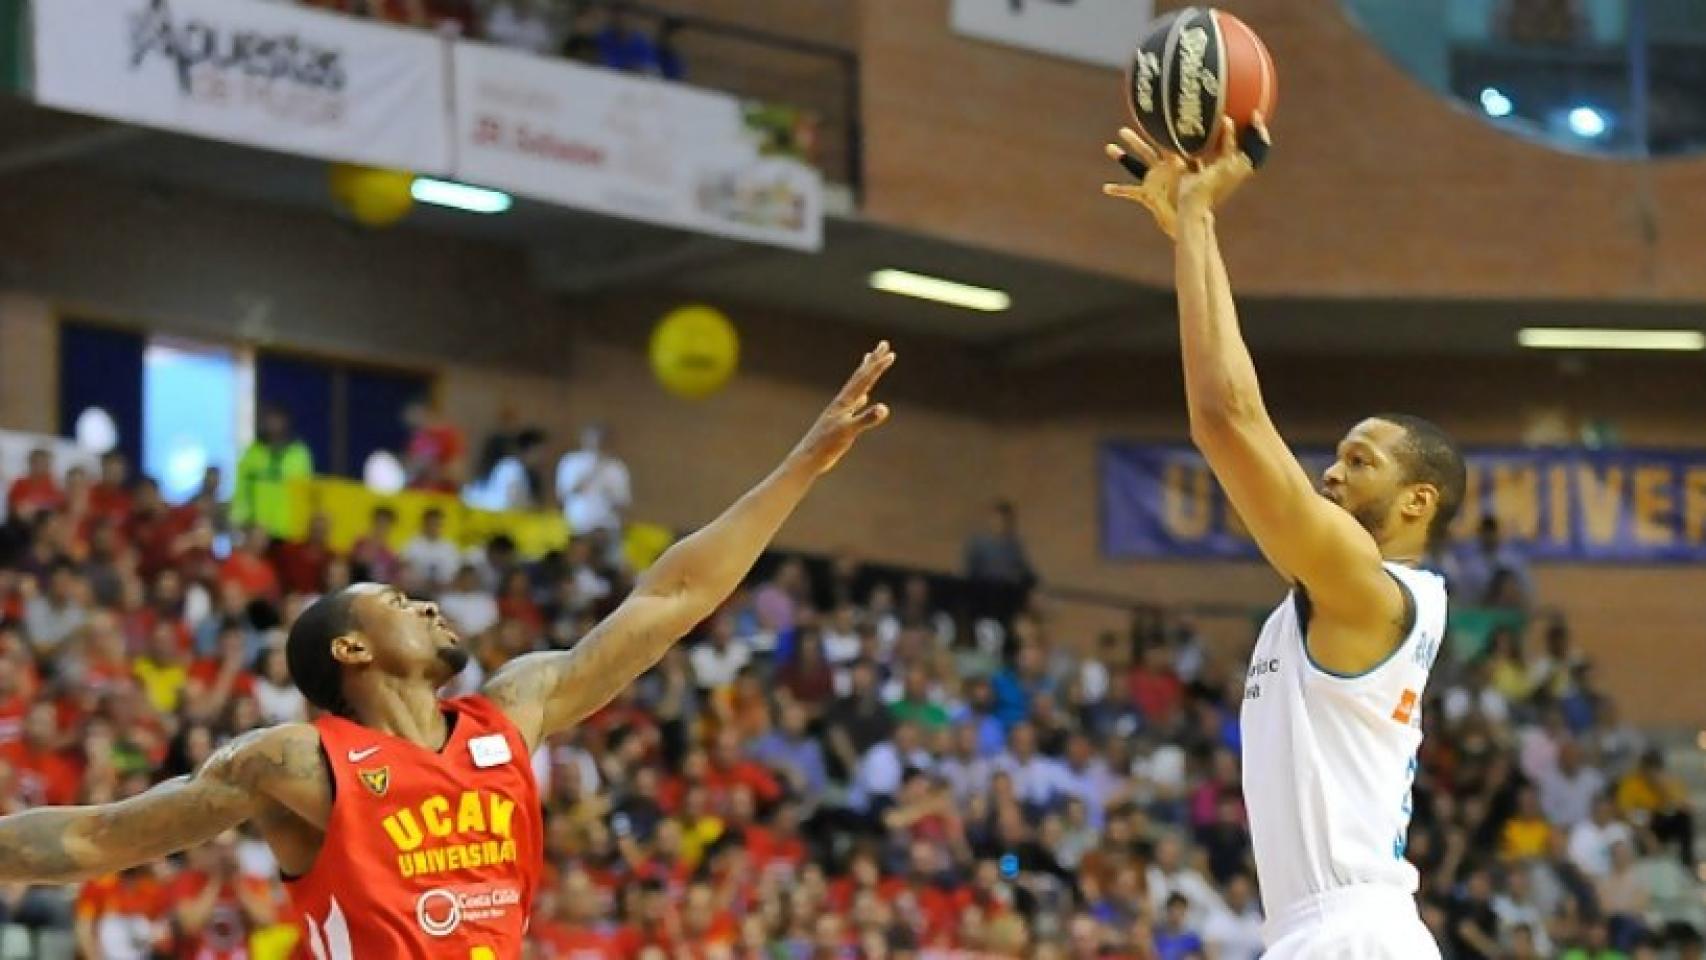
482 953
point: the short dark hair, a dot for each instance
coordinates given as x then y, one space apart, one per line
308 651
1429 455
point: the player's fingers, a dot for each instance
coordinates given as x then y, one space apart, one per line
1254 143
1123 191
1139 147
867 376
870 367
1137 168
871 416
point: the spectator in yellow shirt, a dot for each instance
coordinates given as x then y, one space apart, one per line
163 670
1509 675
1651 797
1527 834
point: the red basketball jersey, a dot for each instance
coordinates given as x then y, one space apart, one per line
426 854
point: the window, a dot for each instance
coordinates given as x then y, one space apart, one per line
196 414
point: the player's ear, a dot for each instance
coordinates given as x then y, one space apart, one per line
352 648
1420 501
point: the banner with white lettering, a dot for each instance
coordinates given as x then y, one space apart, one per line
271 75
631 147
1095 31
1561 504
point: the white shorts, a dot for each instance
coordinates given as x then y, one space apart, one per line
1352 923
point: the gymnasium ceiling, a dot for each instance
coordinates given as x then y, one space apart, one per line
1057 312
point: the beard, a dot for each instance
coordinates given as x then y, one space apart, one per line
454 659
1372 516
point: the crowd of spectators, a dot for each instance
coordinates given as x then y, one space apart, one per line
603 32
833 766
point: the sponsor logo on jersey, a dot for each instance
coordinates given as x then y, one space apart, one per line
478 825
441 910
491 750
1406 710
376 781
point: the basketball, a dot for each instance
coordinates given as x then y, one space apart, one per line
1192 67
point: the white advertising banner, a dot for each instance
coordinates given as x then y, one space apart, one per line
266 74
629 147
1094 31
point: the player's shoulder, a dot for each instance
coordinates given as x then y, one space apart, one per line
271 755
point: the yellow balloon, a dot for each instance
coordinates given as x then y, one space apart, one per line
695 351
374 197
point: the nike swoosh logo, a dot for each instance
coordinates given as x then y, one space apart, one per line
356 756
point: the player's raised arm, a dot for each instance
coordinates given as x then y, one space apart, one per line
240 780
547 692
1307 539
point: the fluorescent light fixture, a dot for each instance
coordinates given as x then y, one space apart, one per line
1590 338
1587 122
942 291
460 196
1494 101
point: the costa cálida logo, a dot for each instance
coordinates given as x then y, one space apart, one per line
215 60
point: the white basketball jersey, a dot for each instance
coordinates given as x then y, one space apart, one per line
1329 759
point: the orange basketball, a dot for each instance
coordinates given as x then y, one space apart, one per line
1192 67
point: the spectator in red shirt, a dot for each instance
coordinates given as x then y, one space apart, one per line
46 772
248 567
217 908
573 922
778 847
16 690
106 660
111 499
302 566
515 601
436 448
37 490
807 674
214 681
125 915
150 529
1155 688
373 555
730 768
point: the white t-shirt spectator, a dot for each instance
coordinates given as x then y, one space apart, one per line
713 668
505 488
279 703
881 771
1590 845
473 613
1093 785
1234 936
1093 678
1189 884
1513 914
436 560
1163 769
49 624
967 778
594 491
1537 753
1459 701
1568 799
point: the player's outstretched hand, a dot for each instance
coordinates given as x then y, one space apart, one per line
1157 176
850 414
1236 158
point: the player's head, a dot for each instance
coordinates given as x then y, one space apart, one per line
1401 477
367 632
